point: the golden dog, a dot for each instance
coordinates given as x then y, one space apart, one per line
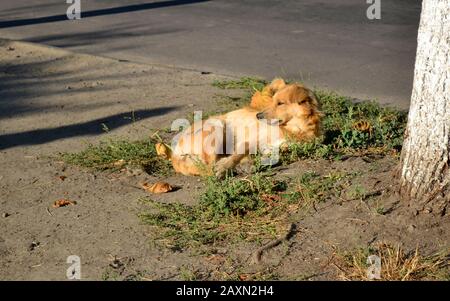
279 113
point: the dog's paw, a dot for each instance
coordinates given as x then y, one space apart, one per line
222 167
220 174
227 164
220 170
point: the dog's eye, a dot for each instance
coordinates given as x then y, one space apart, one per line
279 103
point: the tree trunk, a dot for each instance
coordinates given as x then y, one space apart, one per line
425 173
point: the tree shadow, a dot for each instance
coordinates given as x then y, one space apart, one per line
99 12
89 128
105 36
51 85
24 87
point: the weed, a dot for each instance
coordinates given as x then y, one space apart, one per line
395 264
110 275
303 150
238 196
187 274
362 125
312 188
357 192
243 83
379 209
116 154
251 208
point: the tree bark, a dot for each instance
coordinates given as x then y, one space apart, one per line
425 171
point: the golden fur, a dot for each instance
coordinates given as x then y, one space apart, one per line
292 105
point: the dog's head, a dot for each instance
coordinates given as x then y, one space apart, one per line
296 109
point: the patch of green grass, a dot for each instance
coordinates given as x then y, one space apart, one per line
311 188
242 83
252 208
357 192
351 126
304 150
232 209
379 209
238 196
116 154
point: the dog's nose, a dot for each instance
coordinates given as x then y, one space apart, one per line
260 115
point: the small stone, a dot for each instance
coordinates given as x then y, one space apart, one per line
411 228
6 214
116 263
33 245
428 210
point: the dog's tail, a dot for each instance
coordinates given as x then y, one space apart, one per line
163 150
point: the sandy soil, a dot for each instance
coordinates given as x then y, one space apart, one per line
55 101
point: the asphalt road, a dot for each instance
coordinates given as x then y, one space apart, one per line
327 43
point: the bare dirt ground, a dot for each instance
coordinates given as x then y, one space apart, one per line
54 101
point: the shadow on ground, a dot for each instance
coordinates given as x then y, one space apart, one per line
98 12
63 95
89 128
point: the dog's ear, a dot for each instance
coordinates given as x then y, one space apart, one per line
304 95
263 99
276 85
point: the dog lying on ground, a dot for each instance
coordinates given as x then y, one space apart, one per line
279 113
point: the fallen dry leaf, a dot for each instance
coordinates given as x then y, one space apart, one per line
63 203
159 187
